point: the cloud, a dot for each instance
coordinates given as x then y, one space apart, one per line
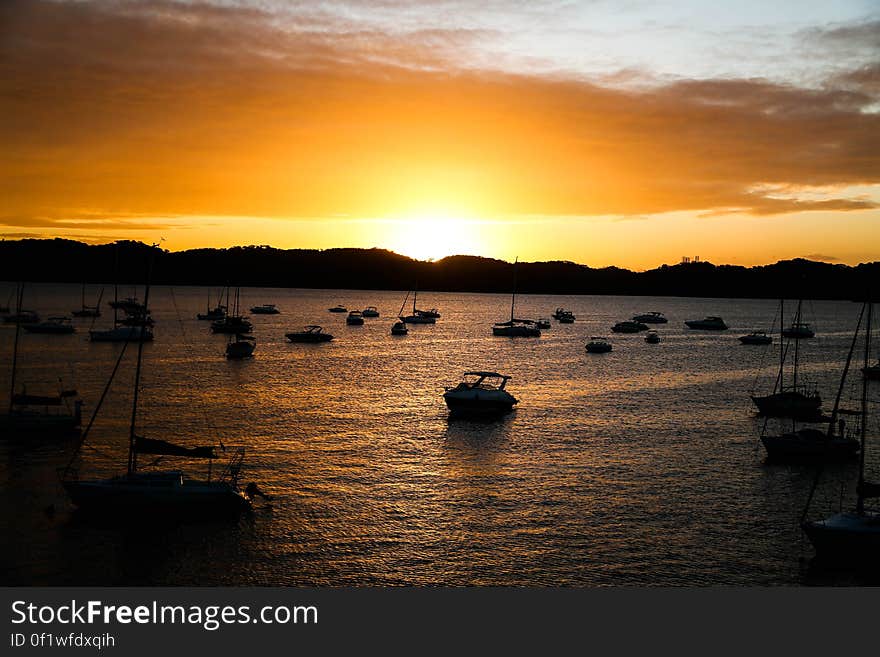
164 109
821 257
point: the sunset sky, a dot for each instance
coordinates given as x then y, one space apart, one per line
623 132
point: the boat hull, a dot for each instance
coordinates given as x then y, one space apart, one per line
789 404
122 334
516 331
846 538
478 406
705 326
238 350
418 319
28 424
809 446
756 340
122 494
309 337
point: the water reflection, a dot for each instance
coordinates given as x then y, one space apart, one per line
638 467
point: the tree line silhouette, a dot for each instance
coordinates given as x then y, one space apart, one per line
61 260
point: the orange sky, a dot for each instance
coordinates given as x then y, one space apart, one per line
214 126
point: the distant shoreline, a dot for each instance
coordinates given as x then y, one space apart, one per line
60 260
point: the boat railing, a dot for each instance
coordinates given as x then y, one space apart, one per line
233 468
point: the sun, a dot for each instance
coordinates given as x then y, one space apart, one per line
432 236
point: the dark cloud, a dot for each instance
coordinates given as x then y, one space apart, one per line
159 108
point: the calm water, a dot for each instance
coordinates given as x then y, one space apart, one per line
641 466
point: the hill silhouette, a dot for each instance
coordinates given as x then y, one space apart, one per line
60 260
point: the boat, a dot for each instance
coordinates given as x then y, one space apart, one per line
242 346
629 327
872 372
756 338
421 316
798 331
355 318
710 323
561 312
480 393
542 323
565 317
137 319
338 309
215 313
795 400
129 305
651 318
652 337
265 309
232 324
809 445
58 414
51 326
155 496
122 334
22 317
399 327
370 311
851 537
516 328
122 331
88 311
598 345
310 333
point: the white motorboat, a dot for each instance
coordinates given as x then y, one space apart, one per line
652 337
399 328
480 393
370 311
355 318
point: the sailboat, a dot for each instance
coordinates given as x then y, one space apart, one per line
234 323
29 414
122 332
158 494
795 400
851 536
421 316
88 311
516 328
215 313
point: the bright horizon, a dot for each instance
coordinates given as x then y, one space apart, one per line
591 132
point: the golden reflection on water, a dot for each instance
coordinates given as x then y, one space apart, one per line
637 466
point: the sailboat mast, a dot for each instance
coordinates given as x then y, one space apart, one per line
18 300
797 321
860 503
513 296
132 438
781 343
116 287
